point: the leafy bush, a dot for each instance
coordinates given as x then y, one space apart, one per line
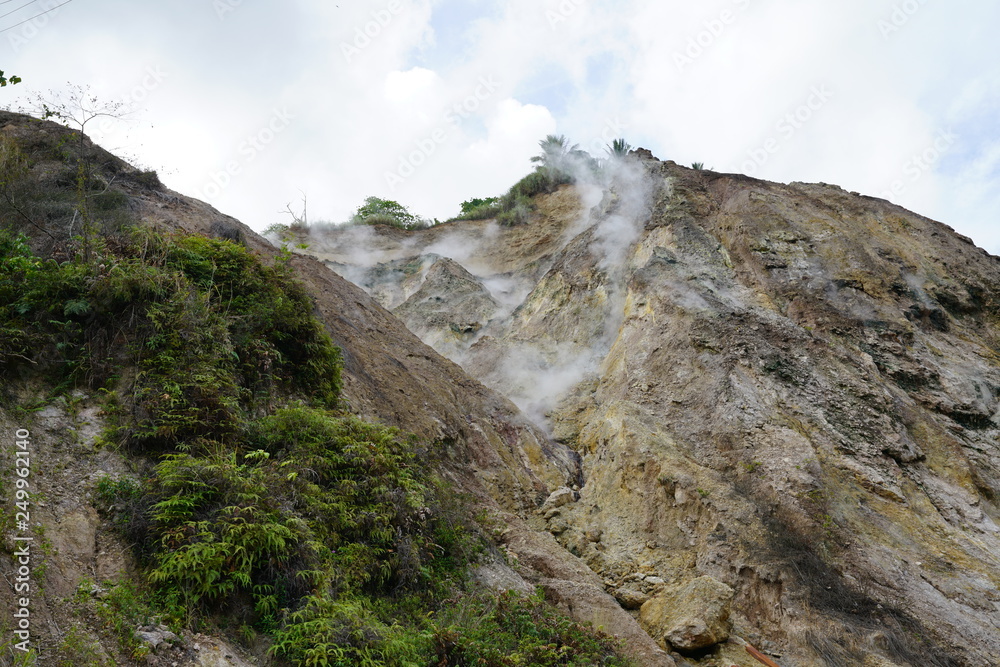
210 329
376 211
118 610
515 206
221 535
357 483
509 629
480 209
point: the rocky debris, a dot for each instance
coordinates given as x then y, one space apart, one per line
500 577
157 635
213 652
630 598
450 307
569 584
588 603
691 616
561 496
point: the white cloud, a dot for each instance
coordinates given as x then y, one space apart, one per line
370 83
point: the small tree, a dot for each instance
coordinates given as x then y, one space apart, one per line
618 149
470 205
377 211
555 150
76 108
561 162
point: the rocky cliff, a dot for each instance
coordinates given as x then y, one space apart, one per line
697 410
784 399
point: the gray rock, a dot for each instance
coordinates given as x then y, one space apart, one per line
630 598
689 617
558 498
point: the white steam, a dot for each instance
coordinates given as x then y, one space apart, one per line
541 344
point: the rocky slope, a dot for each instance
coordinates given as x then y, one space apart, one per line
784 399
507 465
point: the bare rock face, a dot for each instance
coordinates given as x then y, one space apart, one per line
791 389
450 307
689 617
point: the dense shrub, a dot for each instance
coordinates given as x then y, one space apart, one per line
210 329
376 211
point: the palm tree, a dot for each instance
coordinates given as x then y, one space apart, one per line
555 149
618 149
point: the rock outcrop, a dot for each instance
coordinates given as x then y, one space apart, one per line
791 389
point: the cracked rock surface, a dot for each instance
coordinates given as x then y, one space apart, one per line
791 389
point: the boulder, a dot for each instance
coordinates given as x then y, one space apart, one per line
689 617
558 498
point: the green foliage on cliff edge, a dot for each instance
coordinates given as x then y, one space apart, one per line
208 329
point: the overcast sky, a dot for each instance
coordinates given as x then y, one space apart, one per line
248 104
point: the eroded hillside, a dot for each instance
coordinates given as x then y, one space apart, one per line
214 478
784 398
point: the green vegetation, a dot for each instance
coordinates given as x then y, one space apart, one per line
4 80
559 163
509 629
480 209
119 608
376 211
515 206
207 326
618 149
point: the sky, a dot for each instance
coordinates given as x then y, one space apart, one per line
266 109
